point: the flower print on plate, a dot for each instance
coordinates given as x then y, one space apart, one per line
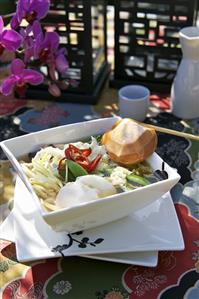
148 258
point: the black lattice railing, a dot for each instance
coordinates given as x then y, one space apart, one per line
81 25
147 46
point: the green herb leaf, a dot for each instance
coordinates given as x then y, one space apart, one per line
137 179
76 169
71 177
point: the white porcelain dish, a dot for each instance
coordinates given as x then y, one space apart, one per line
7 228
95 213
145 258
142 258
152 228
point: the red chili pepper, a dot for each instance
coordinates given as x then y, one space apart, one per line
94 163
61 167
72 151
86 152
80 156
68 154
85 164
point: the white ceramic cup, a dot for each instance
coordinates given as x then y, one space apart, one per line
134 101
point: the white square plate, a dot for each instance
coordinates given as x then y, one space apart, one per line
147 259
152 228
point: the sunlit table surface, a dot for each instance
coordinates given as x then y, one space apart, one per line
177 273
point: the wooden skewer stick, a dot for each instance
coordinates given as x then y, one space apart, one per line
169 131
173 132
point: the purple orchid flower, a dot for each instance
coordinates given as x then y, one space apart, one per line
29 35
19 78
28 44
9 39
46 45
30 10
46 50
60 61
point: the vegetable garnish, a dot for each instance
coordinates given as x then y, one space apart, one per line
72 152
137 179
62 168
76 169
80 156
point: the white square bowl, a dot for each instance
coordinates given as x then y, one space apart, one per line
95 213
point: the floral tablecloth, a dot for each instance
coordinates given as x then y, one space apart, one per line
177 273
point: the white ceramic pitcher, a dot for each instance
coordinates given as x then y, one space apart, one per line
185 87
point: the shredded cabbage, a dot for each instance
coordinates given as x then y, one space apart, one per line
42 172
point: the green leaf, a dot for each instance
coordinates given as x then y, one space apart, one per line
76 169
71 177
137 179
